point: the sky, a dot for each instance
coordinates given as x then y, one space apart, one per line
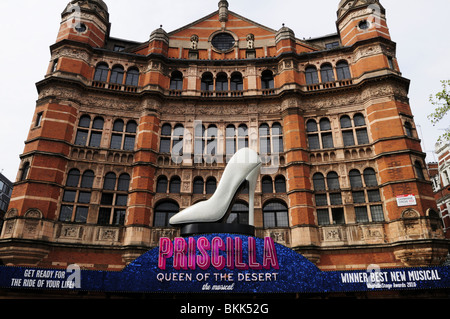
29 28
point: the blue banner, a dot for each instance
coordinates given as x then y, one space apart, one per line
224 263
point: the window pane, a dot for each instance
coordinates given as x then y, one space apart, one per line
312 76
129 143
325 125
377 213
84 197
269 220
104 216
119 216
66 213
131 127
362 136
359 120
116 141
333 181
355 179
98 123
198 186
346 122
313 141
264 145
338 215
370 178
96 139
164 147
319 182
323 217
359 197
210 186
348 138
336 199
267 186
175 186
81 138
110 181
161 186
278 146
321 200
280 184
121 200
107 199
124 183
69 196
73 178
327 140
361 214
81 214
311 126
374 195
87 180
282 219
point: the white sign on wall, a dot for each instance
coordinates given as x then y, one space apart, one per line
406 200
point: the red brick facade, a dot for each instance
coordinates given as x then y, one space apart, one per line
100 175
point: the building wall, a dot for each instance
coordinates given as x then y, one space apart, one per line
90 189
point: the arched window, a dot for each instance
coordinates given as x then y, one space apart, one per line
264 139
177 141
266 185
275 214
176 81
277 138
163 212
230 139
198 185
211 185
280 184
166 133
370 178
199 142
161 185
325 133
73 178
117 74
113 204
101 72
236 82
311 126
326 73
211 142
343 70
333 181
346 122
359 120
355 179
357 131
312 77
267 81
238 214
175 185
319 182
87 180
123 137
132 77
89 133
222 82
207 83
242 136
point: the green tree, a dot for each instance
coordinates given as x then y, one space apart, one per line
441 102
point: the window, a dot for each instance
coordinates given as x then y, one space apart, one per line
38 121
328 199
223 41
101 72
239 214
198 186
211 185
343 71
89 133
332 45
176 81
409 129
322 138
221 82
264 139
207 83
199 142
113 204
230 140
267 81
275 214
327 74
419 170
123 137
163 212
266 185
280 184
171 141
277 138
211 140
236 82
366 196
132 77
161 185
175 185
76 197
312 77
117 74
356 132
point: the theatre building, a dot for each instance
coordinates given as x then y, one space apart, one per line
126 134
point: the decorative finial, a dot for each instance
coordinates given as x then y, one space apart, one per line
223 10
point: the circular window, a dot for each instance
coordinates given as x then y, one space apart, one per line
81 27
364 25
223 41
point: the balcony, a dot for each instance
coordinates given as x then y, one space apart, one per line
115 87
328 85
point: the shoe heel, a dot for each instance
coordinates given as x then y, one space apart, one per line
252 179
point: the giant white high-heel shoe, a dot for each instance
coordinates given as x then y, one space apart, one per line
244 166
